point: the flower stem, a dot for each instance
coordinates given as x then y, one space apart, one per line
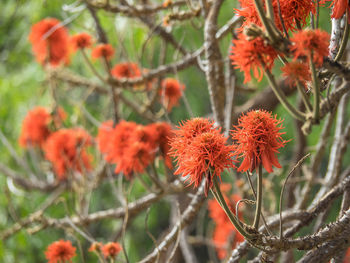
265 21
221 200
316 89
304 97
270 13
258 199
282 98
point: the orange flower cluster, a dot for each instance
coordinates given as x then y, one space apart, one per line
292 11
50 42
126 70
81 41
109 250
103 51
201 151
310 44
60 252
66 149
257 139
170 92
224 231
35 127
132 147
252 55
296 72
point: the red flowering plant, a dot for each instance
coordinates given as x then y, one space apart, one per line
117 175
60 252
50 42
225 235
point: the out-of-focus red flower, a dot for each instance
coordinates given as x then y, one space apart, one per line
222 235
111 249
205 156
104 138
252 55
103 51
218 214
163 134
347 256
144 134
137 157
120 140
126 70
35 127
224 230
339 9
132 147
310 44
66 149
60 252
50 42
95 247
81 41
296 72
257 139
170 92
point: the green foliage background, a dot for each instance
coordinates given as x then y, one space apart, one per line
23 86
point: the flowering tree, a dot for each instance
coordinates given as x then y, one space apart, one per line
163 124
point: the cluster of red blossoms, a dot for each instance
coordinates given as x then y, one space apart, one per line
109 250
170 92
225 235
256 55
60 252
132 147
63 251
52 44
201 150
64 148
257 139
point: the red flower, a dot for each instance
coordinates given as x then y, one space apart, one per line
170 92
66 149
339 9
187 131
103 50
137 157
296 71
95 247
222 235
347 256
35 127
104 138
202 154
224 230
111 249
60 252
218 214
252 55
81 41
113 141
126 70
291 11
257 140
50 42
163 135
312 44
